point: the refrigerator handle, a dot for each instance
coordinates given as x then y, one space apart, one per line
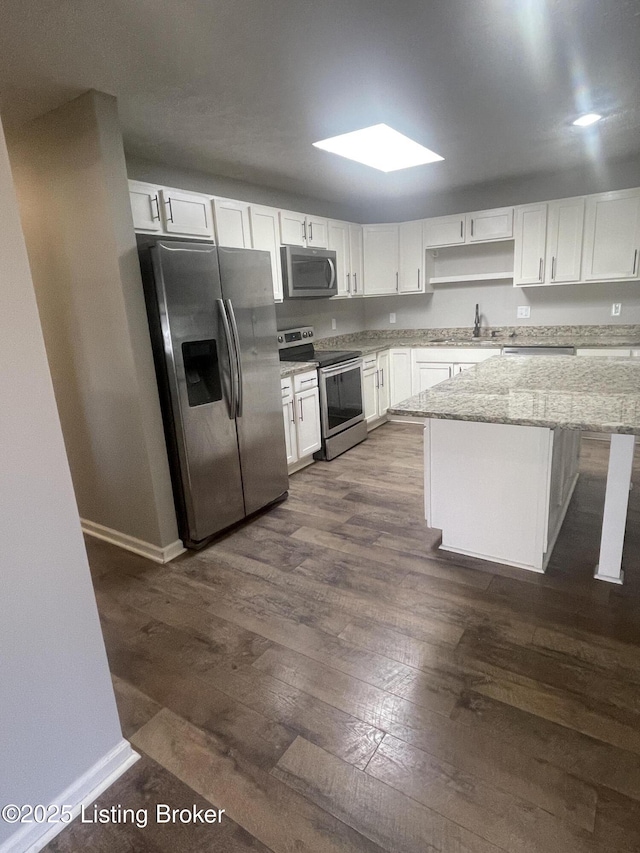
236 346
233 404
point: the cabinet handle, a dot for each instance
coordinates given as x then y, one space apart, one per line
301 412
153 218
311 230
635 261
304 230
306 381
355 282
349 283
170 217
377 378
462 228
472 227
540 271
293 414
382 376
418 279
553 269
397 281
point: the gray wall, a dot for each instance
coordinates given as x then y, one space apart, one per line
454 305
58 711
70 172
348 314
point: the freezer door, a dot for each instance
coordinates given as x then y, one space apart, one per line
199 369
248 292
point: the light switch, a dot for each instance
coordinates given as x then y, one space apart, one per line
392 317
524 311
334 325
616 309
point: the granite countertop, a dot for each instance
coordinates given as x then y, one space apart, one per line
599 394
289 368
490 338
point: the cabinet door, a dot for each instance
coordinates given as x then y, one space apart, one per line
265 235
290 438
370 394
489 225
232 223
383 383
411 278
293 228
564 249
316 231
427 374
338 241
399 375
187 213
444 231
356 254
612 236
530 244
307 405
145 206
380 259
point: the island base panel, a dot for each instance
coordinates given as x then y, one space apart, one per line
498 491
616 502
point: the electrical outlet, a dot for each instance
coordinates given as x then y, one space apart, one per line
524 312
334 325
616 309
392 317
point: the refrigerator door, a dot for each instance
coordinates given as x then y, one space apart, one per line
247 289
200 364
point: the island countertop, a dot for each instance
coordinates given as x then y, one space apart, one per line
598 395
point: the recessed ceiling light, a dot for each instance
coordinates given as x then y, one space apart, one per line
586 120
380 147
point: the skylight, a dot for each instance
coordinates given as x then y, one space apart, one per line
380 147
586 120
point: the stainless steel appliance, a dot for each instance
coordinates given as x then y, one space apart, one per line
549 349
308 273
340 381
213 328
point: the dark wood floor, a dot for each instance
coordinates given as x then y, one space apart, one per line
338 685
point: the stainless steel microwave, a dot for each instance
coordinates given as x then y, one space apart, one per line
308 273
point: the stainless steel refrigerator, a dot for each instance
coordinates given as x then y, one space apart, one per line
213 331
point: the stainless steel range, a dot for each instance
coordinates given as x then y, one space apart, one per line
340 382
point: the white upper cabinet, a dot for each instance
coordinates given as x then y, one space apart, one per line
530 244
356 258
381 259
232 223
297 229
564 240
145 206
338 240
189 214
411 272
444 231
612 236
488 225
265 234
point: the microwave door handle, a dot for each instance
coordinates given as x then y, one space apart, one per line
236 346
333 273
233 403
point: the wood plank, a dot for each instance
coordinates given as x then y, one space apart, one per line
135 708
269 810
373 809
494 813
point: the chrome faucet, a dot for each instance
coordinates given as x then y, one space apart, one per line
476 324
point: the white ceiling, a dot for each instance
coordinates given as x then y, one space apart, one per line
241 88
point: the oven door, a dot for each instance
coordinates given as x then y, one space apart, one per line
341 396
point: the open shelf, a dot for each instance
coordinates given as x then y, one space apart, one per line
483 276
473 262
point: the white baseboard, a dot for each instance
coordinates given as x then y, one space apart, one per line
300 464
32 837
130 543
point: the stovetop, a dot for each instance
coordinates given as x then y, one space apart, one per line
323 357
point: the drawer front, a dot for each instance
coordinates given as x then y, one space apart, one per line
287 387
305 381
370 361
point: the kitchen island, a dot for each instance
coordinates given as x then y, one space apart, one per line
501 453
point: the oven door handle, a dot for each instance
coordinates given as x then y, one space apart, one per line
333 369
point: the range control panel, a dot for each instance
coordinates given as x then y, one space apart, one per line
295 337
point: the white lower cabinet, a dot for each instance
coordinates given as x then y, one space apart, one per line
301 414
399 375
375 387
